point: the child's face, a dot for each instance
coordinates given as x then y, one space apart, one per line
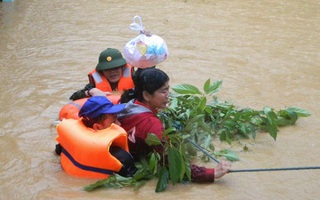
109 119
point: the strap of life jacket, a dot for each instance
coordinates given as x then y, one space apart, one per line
84 167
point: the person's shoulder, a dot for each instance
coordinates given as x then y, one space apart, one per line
150 115
146 118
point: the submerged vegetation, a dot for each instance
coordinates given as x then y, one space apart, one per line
194 120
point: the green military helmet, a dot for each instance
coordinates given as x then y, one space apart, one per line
109 59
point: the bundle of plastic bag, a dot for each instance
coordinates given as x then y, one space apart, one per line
145 50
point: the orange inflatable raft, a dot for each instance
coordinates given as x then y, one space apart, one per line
71 110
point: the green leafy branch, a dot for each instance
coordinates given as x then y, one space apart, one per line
116 181
203 117
199 116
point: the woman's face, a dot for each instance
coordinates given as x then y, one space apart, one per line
160 98
113 75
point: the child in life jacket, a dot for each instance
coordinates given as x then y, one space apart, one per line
98 121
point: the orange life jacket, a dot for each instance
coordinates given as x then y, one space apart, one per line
100 81
71 110
85 151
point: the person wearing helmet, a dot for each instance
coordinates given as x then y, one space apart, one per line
112 74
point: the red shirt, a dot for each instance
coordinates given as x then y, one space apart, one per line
139 124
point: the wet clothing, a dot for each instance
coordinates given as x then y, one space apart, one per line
139 120
81 93
97 80
122 155
102 83
84 152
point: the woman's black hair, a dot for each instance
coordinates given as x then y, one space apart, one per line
149 80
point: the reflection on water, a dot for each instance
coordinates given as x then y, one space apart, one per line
265 52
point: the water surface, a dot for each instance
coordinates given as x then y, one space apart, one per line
265 52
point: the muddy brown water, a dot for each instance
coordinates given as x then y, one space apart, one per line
266 52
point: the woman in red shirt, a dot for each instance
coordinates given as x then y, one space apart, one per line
151 93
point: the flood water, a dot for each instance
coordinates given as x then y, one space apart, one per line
266 52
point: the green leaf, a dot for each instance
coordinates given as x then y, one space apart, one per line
206 86
228 154
169 130
271 122
153 162
187 170
213 88
99 183
186 89
286 117
207 141
191 149
175 165
300 112
205 127
202 105
152 140
194 121
142 174
162 183
224 137
173 103
113 181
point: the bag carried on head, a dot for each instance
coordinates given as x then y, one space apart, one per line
145 50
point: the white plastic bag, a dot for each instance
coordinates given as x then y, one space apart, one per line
145 50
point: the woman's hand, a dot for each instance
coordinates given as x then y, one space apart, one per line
222 168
